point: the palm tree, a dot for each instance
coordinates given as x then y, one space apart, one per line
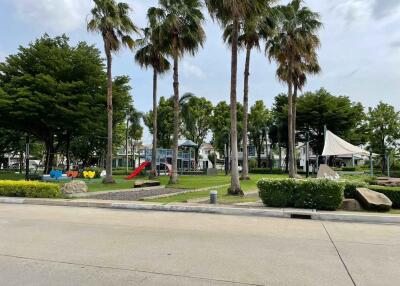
252 30
299 79
232 12
178 23
112 21
151 55
294 48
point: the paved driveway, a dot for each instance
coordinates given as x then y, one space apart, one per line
45 245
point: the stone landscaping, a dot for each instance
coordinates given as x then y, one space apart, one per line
136 195
74 187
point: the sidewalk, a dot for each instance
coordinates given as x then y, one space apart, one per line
242 210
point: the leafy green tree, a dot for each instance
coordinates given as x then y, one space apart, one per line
196 118
221 123
294 43
59 99
232 12
260 120
112 21
151 54
278 130
165 122
178 23
337 113
52 91
383 123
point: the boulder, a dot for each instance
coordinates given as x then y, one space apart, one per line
74 187
389 182
325 172
371 200
351 205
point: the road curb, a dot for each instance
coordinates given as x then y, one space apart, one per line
210 209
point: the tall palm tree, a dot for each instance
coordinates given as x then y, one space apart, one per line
152 55
179 24
299 79
111 20
294 48
252 30
232 12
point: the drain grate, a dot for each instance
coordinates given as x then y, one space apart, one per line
300 216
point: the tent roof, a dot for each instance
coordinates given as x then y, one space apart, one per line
336 146
188 143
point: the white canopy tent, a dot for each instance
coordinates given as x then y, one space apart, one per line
336 146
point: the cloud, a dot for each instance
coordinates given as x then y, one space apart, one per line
192 70
384 8
395 44
353 10
53 15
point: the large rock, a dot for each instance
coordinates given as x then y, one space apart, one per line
371 200
74 187
351 205
325 172
389 182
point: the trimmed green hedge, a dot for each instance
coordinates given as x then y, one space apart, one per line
393 193
309 194
29 189
351 186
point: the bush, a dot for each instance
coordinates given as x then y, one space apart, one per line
29 189
350 188
319 194
277 193
393 193
310 194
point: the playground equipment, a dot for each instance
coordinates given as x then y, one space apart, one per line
138 170
89 174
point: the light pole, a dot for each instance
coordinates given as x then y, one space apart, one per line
27 151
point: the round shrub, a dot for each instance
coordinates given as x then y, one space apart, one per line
277 193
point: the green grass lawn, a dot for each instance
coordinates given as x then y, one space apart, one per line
223 197
12 176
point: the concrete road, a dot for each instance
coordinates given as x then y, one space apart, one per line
45 245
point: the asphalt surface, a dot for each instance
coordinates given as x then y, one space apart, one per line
45 245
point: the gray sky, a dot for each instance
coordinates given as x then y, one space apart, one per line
360 53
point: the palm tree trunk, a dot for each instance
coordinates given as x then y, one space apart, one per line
109 179
235 183
245 166
68 156
155 131
294 114
126 146
290 129
174 175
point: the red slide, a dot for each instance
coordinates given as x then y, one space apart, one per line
138 170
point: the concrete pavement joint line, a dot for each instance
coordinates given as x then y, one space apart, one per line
340 256
127 269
